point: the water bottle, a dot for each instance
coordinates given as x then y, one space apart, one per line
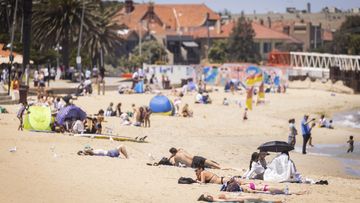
286 190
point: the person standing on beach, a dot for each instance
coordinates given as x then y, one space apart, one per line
351 144
245 117
20 115
305 131
292 133
101 81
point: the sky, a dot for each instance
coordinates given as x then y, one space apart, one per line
264 6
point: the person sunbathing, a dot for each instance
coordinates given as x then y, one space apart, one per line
100 152
224 198
180 156
235 184
203 176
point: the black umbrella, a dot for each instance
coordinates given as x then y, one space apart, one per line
276 146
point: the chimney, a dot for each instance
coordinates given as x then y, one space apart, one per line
129 6
261 21
151 7
308 7
269 21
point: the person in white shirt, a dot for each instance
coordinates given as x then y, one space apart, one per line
199 98
256 170
87 73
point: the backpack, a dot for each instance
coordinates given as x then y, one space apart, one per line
231 186
183 180
164 161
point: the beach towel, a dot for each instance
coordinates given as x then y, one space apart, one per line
280 169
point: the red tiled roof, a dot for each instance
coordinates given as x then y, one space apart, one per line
261 32
171 16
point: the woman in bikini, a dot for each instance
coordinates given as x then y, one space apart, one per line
203 176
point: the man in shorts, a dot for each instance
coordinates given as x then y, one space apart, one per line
181 156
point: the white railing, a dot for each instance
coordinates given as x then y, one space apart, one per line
306 60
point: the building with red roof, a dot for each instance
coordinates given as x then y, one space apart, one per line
186 29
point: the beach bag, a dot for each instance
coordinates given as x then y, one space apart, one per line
164 161
231 186
184 180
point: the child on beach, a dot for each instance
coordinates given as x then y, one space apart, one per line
245 114
110 111
20 114
226 102
351 144
147 117
99 119
133 109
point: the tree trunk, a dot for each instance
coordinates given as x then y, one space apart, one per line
66 50
27 12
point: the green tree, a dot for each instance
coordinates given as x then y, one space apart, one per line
102 39
241 46
347 38
58 21
218 52
152 52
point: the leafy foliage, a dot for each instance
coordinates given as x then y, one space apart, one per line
347 38
218 52
59 21
241 46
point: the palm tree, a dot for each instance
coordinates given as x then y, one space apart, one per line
102 39
58 21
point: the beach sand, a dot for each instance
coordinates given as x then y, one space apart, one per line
46 168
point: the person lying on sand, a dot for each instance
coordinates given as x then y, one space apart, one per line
181 156
224 198
100 152
203 176
235 184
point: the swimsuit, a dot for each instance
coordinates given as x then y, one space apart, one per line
113 153
198 161
252 186
222 180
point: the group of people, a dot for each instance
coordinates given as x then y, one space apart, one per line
140 115
202 98
306 127
258 169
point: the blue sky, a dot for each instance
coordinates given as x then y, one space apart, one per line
263 6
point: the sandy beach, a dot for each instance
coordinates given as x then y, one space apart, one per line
46 168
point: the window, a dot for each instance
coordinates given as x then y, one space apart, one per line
257 47
267 47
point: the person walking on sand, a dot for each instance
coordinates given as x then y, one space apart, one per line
351 144
245 117
20 115
305 129
292 133
101 81
181 156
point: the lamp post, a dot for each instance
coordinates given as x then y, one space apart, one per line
78 57
11 57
